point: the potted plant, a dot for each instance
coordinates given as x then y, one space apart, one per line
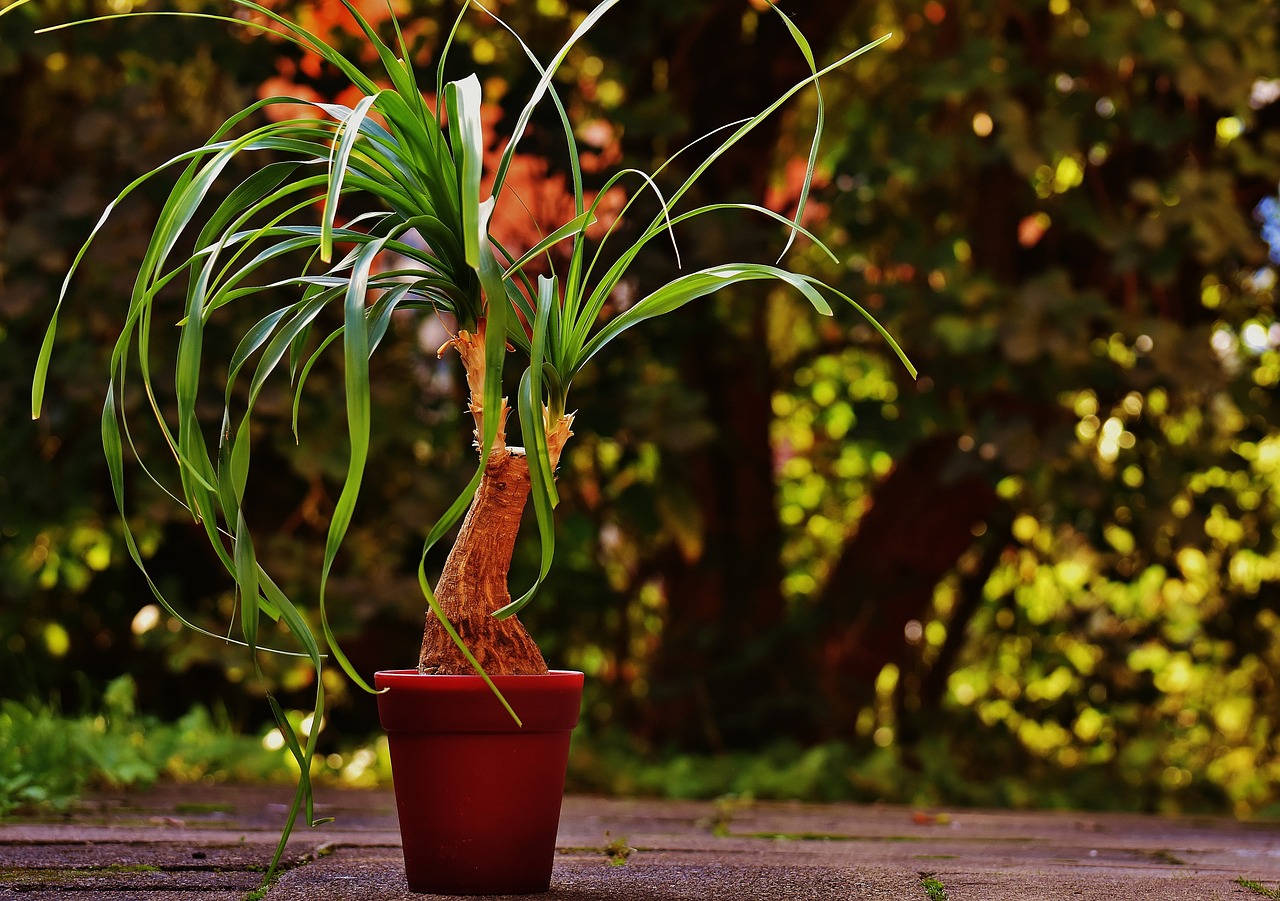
481 703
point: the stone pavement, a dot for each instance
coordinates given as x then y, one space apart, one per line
212 843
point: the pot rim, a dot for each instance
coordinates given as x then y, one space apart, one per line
409 701
409 674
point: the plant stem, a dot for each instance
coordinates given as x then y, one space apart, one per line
474 581
470 347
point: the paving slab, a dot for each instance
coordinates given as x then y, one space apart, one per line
212 843
658 877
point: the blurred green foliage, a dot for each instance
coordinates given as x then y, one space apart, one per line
1051 204
1061 200
48 758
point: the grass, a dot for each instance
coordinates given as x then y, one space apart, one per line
618 851
933 888
797 836
198 808
821 837
615 850
261 891
1258 888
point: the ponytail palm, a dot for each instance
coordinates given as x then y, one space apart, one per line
421 241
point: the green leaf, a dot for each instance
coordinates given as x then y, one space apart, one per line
348 134
819 122
752 123
535 96
571 143
306 371
113 450
680 291
462 98
252 340
495 338
573 227
246 580
542 485
434 605
239 464
358 403
533 420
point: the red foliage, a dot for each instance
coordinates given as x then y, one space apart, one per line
782 196
536 199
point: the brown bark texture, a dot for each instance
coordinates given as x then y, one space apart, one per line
474 582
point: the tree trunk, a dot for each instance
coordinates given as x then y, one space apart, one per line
724 664
725 606
920 522
922 688
474 582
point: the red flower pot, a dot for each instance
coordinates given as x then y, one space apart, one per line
478 796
